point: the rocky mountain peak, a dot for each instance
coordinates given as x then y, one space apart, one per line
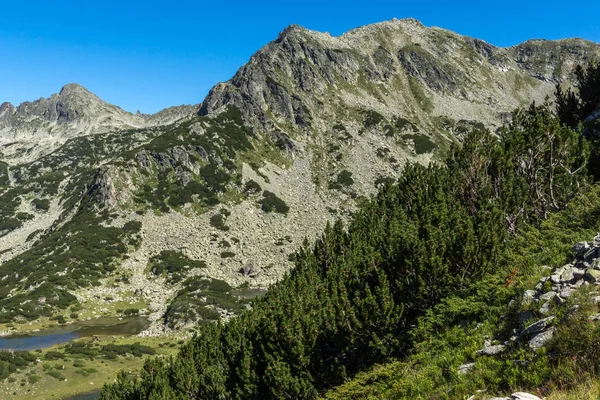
399 68
290 30
35 128
75 89
6 108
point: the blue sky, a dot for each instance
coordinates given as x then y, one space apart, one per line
148 55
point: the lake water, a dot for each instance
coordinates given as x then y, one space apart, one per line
248 293
95 395
65 333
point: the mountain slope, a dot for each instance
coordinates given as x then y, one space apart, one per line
299 136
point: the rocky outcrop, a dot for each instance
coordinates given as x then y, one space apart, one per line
551 291
103 190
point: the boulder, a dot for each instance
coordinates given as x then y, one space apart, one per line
465 368
537 326
590 255
548 296
580 248
592 275
545 309
566 292
523 396
541 338
491 350
578 273
529 297
567 276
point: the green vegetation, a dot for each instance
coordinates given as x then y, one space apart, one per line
198 301
174 265
372 118
574 107
199 162
343 180
4 179
41 204
422 143
450 333
90 350
419 95
252 187
33 281
218 221
271 203
354 296
11 362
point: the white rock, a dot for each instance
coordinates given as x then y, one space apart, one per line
524 396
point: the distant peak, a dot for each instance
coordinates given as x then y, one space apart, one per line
5 106
290 30
413 21
73 88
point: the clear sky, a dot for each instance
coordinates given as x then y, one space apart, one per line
148 55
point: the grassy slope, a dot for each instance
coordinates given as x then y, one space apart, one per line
49 387
430 370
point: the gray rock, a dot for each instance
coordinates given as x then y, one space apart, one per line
590 255
555 278
578 284
595 300
578 273
465 368
541 338
529 297
537 326
558 300
545 308
548 296
580 248
524 396
566 292
567 276
247 269
592 275
491 350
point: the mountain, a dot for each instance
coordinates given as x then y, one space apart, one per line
301 135
449 283
36 128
